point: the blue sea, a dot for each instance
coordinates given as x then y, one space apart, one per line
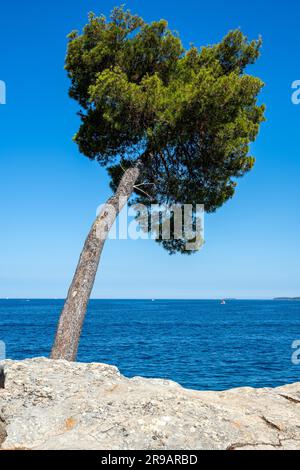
200 344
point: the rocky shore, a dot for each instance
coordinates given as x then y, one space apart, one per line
60 405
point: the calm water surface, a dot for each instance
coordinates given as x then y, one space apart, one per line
200 344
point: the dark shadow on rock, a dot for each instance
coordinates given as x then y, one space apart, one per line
2 377
3 433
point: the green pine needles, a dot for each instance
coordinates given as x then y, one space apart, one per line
191 114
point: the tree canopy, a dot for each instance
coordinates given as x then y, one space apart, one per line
192 113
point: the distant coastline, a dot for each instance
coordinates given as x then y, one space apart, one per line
287 298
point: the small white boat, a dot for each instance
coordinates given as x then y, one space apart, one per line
223 302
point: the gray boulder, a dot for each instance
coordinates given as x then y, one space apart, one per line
61 405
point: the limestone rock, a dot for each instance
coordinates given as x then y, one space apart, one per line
61 405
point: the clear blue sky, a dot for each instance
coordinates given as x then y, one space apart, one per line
49 192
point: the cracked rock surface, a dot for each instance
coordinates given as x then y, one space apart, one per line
61 405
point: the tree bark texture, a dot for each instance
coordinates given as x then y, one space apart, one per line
73 314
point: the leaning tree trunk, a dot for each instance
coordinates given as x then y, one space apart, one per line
72 317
